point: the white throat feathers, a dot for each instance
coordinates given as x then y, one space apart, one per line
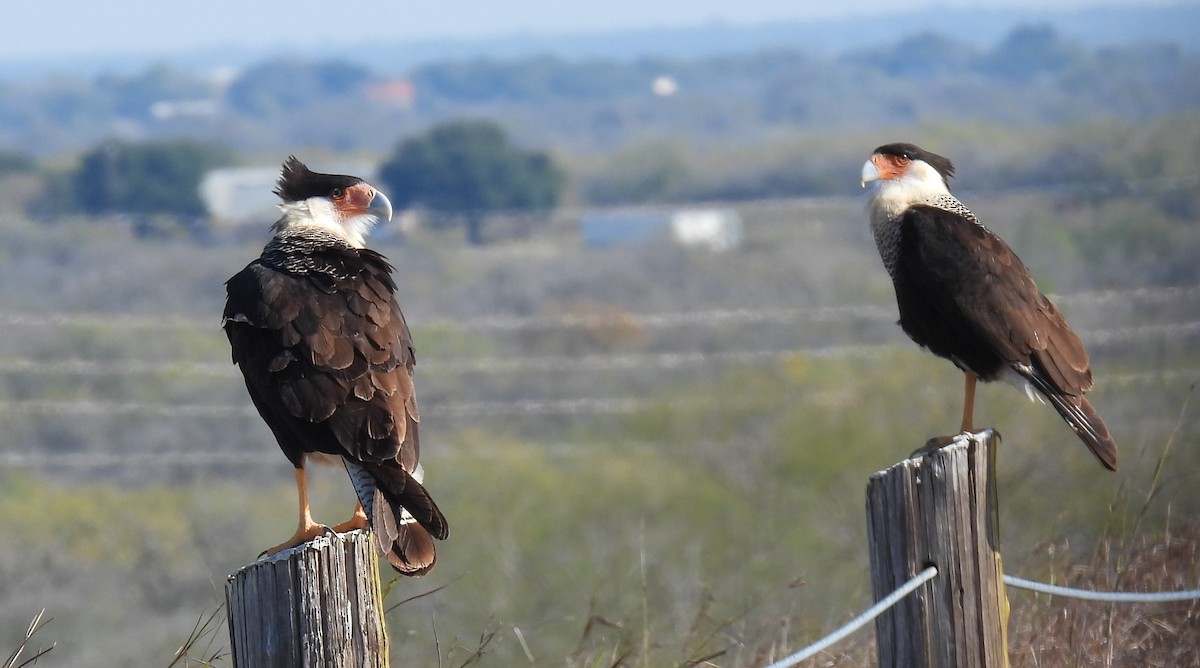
920 184
320 213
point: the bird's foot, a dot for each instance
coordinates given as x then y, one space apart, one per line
937 443
357 521
303 535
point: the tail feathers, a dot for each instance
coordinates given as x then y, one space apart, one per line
406 545
1084 420
402 515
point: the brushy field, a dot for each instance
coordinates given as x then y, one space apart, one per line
649 456
681 534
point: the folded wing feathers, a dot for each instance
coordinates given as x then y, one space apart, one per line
966 274
333 352
1051 356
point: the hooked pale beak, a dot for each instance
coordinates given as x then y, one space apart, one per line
869 172
380 206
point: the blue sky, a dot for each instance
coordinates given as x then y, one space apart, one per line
59 28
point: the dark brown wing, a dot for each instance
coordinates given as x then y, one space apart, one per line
964 295
329 353
328 358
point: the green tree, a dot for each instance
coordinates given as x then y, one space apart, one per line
148 178
467 168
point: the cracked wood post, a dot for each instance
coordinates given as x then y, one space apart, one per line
940 510
317 604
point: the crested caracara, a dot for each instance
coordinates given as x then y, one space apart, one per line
327 358
965 296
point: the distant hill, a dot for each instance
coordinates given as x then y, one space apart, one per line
981 27
1033 73
1092 27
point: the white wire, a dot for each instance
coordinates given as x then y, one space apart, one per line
709 318
859 621
553 363
446 365
1111 596
84 460
929 573
648 320
124 408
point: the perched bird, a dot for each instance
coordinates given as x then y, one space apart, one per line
965 296
314 326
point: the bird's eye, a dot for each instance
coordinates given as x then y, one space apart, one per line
338 193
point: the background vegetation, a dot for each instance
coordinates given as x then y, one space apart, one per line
468 169
649 454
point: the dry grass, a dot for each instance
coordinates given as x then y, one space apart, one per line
1046 631
206 629
1054 631
34 626
1043 630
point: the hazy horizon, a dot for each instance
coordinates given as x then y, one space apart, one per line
121 28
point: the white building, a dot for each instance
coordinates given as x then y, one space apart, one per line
714 229
239 196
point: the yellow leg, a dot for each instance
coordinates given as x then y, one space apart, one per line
969 402
306 529
968 419
357 521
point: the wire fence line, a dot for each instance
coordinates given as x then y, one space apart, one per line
861 620
1126 334
1107 596
578 406
610 405
263 454
138 460
123 320
516 407
117 367
931 572
125 409
664 320
536 363
34 458
589 363
582 406
1158 295
711 317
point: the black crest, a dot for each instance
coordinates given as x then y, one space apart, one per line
298 182
914 152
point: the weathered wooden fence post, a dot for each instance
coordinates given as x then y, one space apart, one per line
940 510
316 605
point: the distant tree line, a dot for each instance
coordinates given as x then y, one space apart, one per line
1033 75
465 169
615 142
